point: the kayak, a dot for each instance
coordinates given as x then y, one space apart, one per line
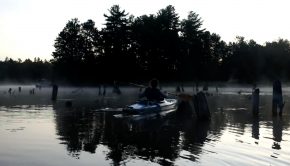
148 107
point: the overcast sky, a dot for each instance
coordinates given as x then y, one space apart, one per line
28 28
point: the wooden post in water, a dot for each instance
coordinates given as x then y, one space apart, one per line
217 90
104 91
116 88
277 100
177 89
205 87
196 87
54 92
255 99
100 90
201 106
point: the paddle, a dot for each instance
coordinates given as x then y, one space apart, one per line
182 96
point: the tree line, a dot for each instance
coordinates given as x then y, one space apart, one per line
160 45
25 71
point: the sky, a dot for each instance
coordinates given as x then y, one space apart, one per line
28 28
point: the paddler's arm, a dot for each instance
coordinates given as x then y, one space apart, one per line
144 94
163 94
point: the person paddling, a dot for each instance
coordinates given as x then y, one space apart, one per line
152 93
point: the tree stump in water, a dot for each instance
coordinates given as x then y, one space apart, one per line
255 99
54 92
201 106
277 100
178 89
116 88
100 93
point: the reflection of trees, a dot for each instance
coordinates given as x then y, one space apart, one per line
157 140
153 140
195 134
79 130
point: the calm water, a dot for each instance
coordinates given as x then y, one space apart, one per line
34 131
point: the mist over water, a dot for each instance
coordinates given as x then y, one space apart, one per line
36 131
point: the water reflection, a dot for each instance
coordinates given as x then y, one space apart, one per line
232 137
255 127
154 140
277 132
165 140
79 129
194 137
158 140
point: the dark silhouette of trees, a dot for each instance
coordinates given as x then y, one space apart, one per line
92 50
144 34
191 46
245 60
18 71
69 50
276 55
250 62
76 51
168 43
157 45
160 45
219 55
116 44
140 48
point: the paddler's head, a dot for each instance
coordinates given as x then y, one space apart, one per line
154 83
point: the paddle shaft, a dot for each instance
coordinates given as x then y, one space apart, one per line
181 95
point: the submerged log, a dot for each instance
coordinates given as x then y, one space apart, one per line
201 106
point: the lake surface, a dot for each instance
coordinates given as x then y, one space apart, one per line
36 131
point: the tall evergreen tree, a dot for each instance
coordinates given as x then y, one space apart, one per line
69 43
156 45
70 51
145 40
191 46
91 41
168 23
92 51
116 42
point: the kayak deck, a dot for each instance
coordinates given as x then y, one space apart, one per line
148 109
